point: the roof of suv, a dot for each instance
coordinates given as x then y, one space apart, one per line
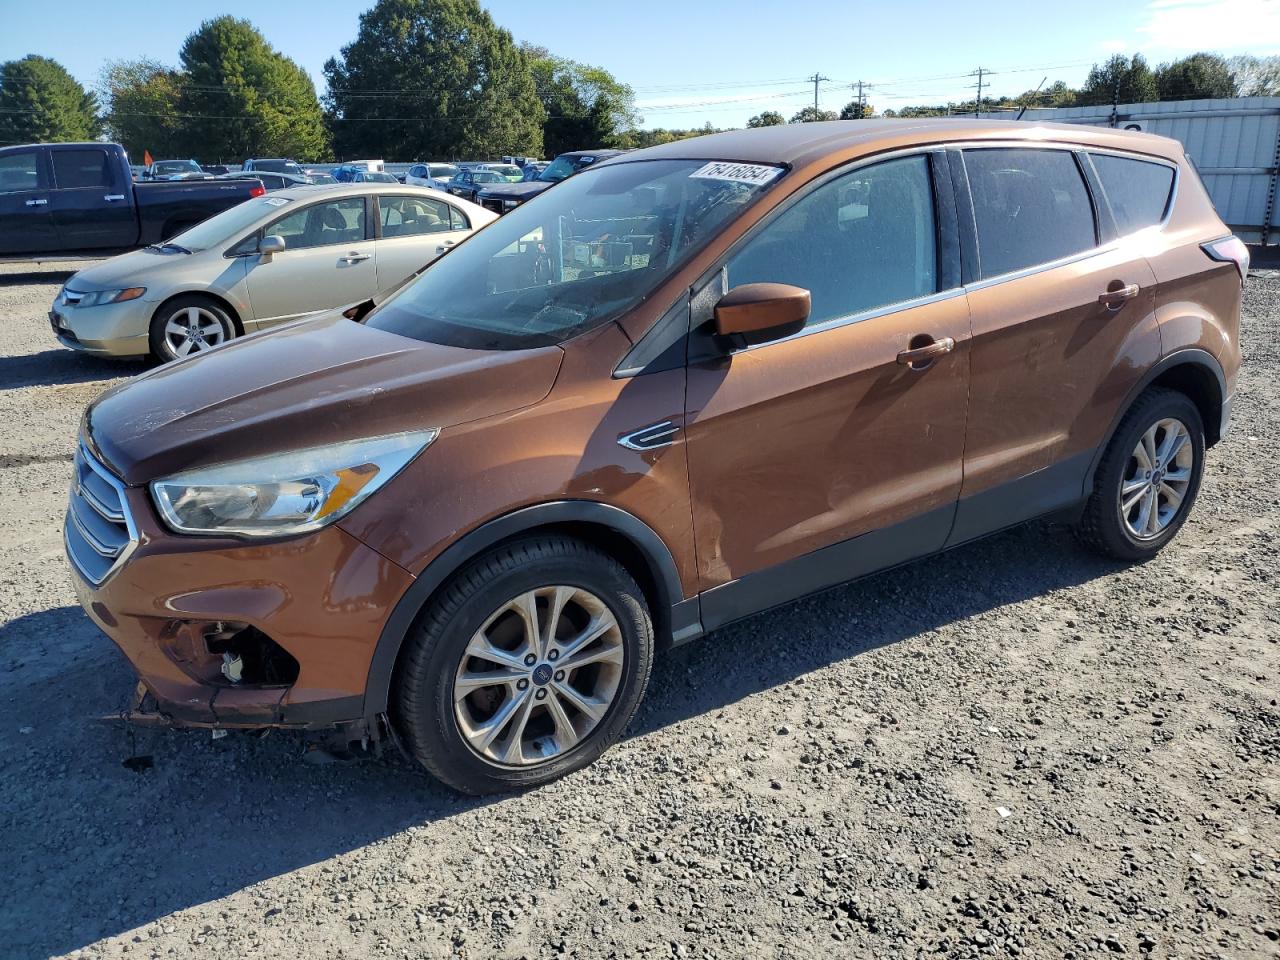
798 144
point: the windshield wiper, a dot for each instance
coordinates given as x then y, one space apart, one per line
168 245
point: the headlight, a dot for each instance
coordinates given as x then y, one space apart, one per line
111 296
510 204
286 493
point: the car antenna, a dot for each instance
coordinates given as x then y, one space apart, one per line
1033 93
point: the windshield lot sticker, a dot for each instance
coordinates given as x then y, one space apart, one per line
752 173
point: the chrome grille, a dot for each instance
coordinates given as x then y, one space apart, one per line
99 532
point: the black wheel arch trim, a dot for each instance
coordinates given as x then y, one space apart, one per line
1190 356
674 610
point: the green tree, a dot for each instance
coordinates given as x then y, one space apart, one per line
1120 80
1256 76
769 118
41 103
143 102
433 79
809 115
241 98
586 107
1201 76
853 110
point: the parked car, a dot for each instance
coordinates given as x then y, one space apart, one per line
276 165
373 176
532 169
272 181
435 175
470 181
215 169
174 170
501 199
320 179
281 257
667 394
346 172
508 171
72 198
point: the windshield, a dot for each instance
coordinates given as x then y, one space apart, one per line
573 257
559 169
447 170
277 166
376 177
229 224
167 167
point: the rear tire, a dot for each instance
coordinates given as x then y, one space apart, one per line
487 710
1148 479
189 324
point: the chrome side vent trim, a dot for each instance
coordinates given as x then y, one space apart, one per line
98 531
651 437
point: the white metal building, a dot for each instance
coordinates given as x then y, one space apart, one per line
1235 144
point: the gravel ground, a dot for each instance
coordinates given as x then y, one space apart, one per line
1015 749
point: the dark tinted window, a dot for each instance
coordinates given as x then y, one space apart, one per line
862 241
1031 206
20 171
81 168
1137 190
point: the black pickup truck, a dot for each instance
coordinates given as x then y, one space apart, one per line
63 199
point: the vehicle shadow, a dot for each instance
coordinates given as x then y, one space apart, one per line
36 278
96 849
51 367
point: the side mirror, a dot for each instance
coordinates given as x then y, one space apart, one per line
269 246
760 312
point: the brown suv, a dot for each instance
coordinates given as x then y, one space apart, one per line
686 385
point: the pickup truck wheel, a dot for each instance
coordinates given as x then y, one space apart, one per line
189 324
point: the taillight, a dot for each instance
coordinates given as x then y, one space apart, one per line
1229 250
257 191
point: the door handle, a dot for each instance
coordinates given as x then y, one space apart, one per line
926 354
353 257
37 203
1114 299
113 196
447 243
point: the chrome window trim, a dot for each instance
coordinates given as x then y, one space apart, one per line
837 322
131 528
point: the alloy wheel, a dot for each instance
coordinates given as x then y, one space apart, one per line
1156 479
193 329
538 676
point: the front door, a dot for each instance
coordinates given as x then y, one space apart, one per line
833 452
328 261
26 222
92 205
413 231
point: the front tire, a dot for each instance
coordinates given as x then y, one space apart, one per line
527 666
1148 479
189 324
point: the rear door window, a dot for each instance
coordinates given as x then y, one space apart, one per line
1031 207
411 216
1138 190
20 171
81 168
865 240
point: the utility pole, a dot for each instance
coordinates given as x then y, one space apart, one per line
861 110
816 79
977 106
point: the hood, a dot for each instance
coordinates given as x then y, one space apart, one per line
515 191
127 270
302 385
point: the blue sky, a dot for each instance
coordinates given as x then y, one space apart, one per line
712 60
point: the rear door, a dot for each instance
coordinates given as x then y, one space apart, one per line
26 221
413 231
1063 327
92 206
826 455
328 261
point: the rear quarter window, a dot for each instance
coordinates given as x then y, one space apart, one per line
1137 190
1031 207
